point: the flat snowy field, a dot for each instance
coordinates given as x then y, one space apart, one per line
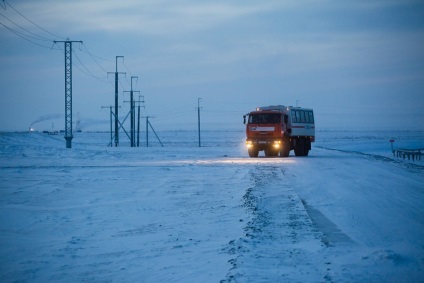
349 212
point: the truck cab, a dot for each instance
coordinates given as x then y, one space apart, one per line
264 132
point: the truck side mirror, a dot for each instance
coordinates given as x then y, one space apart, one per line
286 119
244 119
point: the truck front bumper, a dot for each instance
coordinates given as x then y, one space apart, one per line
263 144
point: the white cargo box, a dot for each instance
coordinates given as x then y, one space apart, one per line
300 121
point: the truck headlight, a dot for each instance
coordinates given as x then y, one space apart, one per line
249 144
276 144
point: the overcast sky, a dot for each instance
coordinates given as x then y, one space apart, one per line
358 64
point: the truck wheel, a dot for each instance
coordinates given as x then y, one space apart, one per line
297 152
285 148
300 148
307 147
253 152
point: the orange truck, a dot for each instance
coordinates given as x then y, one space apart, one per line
279 129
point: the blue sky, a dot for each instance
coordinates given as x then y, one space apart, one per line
358 64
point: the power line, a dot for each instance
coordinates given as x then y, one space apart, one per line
24 37
88 71
127 69
94 56
27 35
37 37
31 21
34 37
123 87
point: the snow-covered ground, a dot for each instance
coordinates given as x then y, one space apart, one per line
349 212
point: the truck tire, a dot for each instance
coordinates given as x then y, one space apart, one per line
285 148
301 148
253 152
307 147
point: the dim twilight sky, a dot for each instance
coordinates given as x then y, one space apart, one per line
359 64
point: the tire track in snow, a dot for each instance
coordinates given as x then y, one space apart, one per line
278 237
331 234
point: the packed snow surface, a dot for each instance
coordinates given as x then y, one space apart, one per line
349 212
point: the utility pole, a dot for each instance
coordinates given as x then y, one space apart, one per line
132 107
147 131
111 131
68 91
198 118
139 101
138 127
116 101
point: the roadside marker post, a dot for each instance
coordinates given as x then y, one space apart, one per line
391 143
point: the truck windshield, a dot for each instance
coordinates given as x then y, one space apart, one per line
265 118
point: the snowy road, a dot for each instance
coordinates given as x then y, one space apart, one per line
206 215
